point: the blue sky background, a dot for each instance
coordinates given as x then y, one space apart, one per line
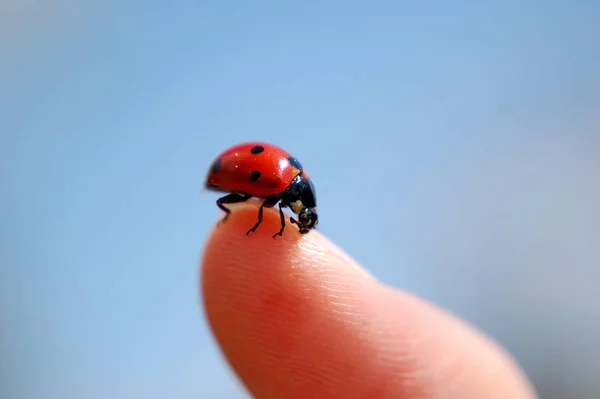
464 139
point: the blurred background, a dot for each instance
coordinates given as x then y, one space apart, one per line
468 133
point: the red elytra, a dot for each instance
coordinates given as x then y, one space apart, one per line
263 170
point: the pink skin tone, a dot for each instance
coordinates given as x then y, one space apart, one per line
297 318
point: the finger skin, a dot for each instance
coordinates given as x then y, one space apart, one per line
297 318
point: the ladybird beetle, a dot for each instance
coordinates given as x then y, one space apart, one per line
268 172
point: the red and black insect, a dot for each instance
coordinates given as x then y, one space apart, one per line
265 171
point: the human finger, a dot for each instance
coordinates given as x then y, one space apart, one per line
298 318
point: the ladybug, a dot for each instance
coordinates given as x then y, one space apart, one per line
268 172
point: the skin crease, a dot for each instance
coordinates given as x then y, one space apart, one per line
297 318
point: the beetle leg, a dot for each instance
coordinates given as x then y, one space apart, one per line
282 217
269 203
301 229
230 199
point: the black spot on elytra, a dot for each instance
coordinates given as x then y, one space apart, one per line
254 176
257 149
295 163
216 166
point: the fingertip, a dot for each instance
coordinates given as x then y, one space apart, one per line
267 298
262 256
231 247
242 218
